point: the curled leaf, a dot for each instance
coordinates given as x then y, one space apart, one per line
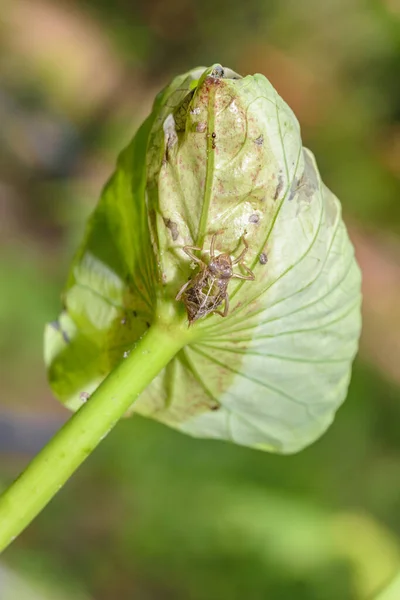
218 153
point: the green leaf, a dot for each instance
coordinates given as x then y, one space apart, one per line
219 152
392 591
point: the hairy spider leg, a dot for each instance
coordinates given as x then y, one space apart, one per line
239 260
226 308
187 250
243 253
213 242
249 277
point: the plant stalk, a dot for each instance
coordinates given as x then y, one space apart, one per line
63 454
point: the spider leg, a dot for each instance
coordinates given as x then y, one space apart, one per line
226 308
183 288
187 250
243 253
249 277
213 242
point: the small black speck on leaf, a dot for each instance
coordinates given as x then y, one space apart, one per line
263 258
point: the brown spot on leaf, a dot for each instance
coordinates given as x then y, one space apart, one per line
307 184
173 227
211 81
293 189
279 187
309 180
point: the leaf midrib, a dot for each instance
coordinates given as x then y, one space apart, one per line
209 172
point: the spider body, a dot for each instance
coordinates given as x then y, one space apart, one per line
206 291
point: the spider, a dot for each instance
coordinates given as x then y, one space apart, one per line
207 290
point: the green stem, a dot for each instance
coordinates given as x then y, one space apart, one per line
51 468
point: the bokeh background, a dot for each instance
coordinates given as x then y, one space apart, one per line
155 515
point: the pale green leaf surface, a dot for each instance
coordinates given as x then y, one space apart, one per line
392 591
273 372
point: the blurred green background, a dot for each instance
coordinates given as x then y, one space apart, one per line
154 515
